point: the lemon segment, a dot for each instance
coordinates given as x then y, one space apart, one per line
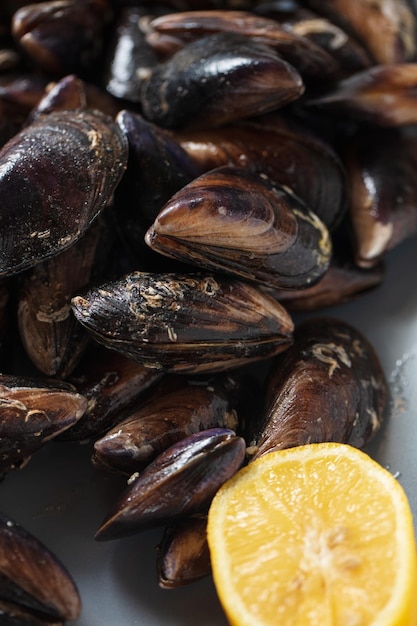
318 535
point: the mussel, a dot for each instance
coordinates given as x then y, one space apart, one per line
179 482
233 221
330 386
56 176
185 323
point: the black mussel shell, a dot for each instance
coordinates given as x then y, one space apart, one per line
185 323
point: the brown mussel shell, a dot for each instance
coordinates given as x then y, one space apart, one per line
56 176
282 149
162 420
233 221
343 282
349 54
50 334
383 209
111 383
387 28
130 59
218 79
14 615
181 481
185 323
157 168
33 578
383 95
183 554
62 36
330 386
33 411
309 59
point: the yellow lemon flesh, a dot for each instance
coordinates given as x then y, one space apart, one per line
316 535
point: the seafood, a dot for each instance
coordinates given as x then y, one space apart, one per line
164 419
383 207
50 334
183 553
309 59
329 386
185 323
201 84
35 587
383 95
56 176
181 481
179 126
157 167
231 221
387 28
62 36
286 150
112 384
33 411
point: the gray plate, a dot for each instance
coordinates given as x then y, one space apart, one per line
62 499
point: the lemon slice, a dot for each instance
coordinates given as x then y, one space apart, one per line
316 535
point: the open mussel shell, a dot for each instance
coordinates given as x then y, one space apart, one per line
240 223
330 386
383 95
164 418
34 579
185 323
387 28
218 79
383 210
32 412
56 176
181 481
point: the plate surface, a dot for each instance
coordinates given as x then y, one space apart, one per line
62 499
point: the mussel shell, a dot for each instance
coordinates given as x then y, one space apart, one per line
32 577
181 481
218 79
157 168
111 383
383 210
343 282
56 176
50 334
163 419
240 223
288 152
310 60
130 57
183 554
185 323
61 36
383 95
33 411
387 28
330 386
14 615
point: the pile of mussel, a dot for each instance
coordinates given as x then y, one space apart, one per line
177 181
